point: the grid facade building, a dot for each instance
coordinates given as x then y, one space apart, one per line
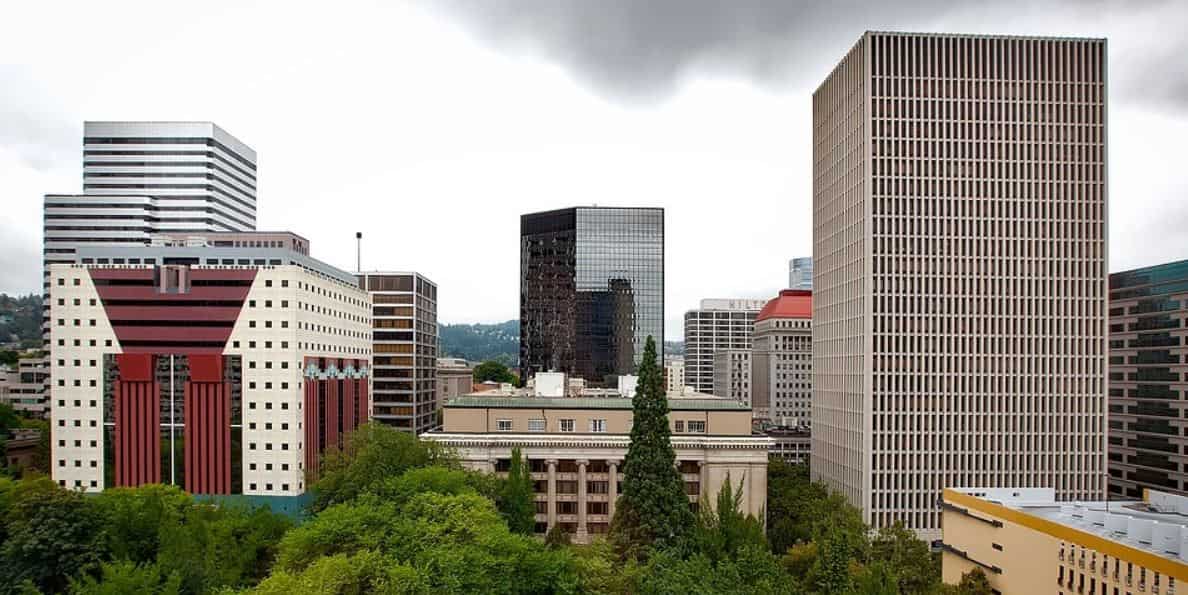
405 349
732 375
782 366
717 324
959 203
1148 380
591 290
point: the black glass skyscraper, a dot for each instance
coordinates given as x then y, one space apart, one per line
591 290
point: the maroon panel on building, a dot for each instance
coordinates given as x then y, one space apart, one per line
206 368
208 435
364 401
332 412
312 416
350 396
137 422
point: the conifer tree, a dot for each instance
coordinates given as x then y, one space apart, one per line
653 510
518 505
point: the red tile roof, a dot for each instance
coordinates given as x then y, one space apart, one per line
792 303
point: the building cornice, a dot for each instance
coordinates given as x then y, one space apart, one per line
487 440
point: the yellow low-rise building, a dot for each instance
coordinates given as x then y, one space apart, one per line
1027 542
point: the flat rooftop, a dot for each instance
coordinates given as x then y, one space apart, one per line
675 404
1156 525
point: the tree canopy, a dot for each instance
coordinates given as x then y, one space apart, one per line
494 371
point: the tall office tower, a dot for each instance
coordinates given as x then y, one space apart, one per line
959 202
1148 379
405 337
220 369
800 273
717 324
144 178
591 290
782 365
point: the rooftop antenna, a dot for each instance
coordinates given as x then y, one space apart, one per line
359 251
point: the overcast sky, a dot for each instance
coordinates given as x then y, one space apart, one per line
432 125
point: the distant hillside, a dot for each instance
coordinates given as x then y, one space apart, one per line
482 342
20 319
674 348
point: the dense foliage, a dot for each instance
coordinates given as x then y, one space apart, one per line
396 515
653 510
152 539
481 342
495 372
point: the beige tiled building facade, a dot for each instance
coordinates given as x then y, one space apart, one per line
1026 542
575 448
959 330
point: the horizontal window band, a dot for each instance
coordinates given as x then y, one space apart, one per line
162 140
210 154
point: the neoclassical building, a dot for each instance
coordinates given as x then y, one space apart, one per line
575 448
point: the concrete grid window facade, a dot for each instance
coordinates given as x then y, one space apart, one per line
717 324
959 247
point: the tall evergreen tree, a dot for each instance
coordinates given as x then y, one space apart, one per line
518 505
653 510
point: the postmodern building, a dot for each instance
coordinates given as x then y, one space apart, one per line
732 375
575 447
1148 379
959 311
1027 541
717 324
405 320
591 290
800 273
455 377
222 370
782 365
145 178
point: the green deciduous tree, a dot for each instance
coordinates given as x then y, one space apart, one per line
50 535
906 557
220 547
119 578
518 503
372 453
722 528
459 543
134 518
493 371
342 574
653 509
751 570
974 582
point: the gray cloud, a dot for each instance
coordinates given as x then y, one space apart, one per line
634 50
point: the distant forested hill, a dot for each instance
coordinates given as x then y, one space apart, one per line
20 319
674 348
482 342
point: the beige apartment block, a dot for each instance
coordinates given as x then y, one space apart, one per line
959 306
1027 542
575 447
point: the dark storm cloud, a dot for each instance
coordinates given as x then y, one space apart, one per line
641 49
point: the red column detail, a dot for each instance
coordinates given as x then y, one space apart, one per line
208 427
137 422
331 413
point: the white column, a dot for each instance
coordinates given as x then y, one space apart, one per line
552 497
581 499
613 488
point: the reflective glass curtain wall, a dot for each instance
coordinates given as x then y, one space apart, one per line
591 289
